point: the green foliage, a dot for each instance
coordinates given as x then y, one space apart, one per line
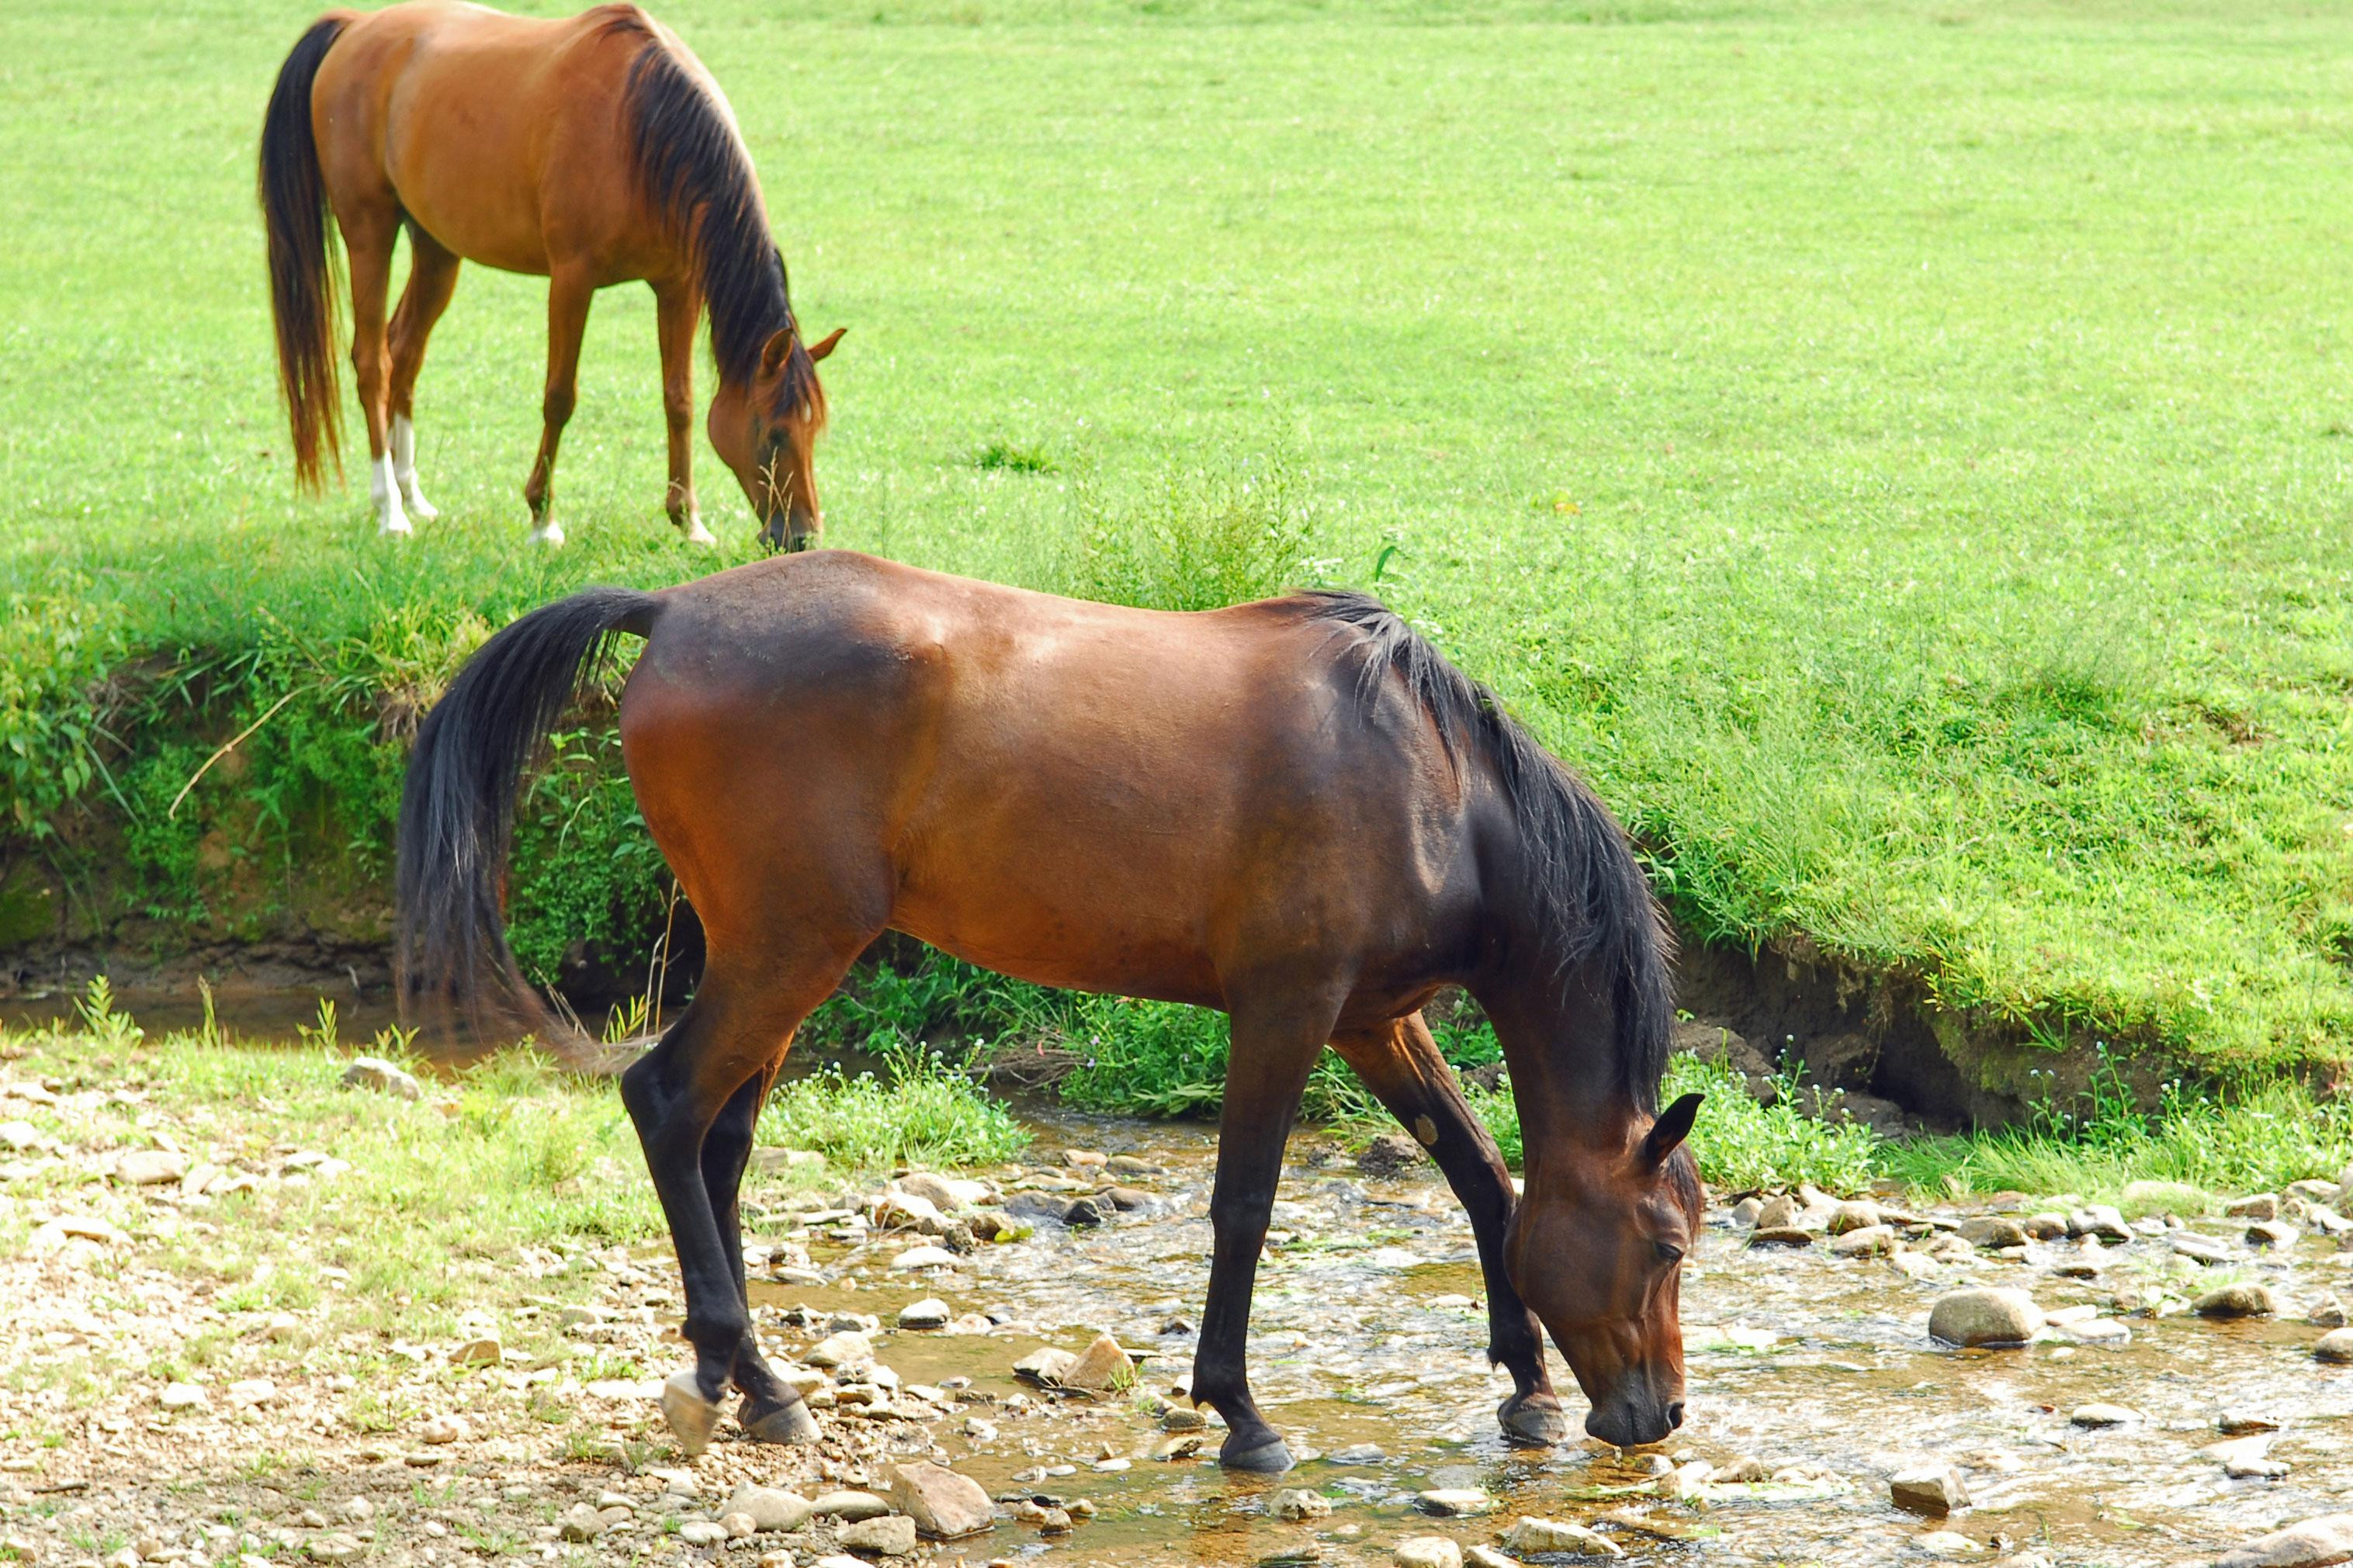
1194 536
1944 598
920 1112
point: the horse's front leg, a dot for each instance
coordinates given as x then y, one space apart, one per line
677 308
1273 1050
1403 1068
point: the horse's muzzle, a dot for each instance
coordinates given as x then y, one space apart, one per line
1628 1423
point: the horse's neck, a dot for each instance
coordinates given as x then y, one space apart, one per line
1559 1038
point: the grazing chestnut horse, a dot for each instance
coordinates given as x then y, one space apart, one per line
1296 811
590 152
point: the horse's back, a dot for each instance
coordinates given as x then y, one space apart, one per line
488 130
1078 793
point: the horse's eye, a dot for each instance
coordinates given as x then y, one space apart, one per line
1668 1251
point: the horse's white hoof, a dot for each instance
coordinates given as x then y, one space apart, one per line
691 1417
698 534
549 534
418 507
395 526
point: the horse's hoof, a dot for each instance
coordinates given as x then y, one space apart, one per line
1534 1419
692 1417
695 533
790 1424
1267 1455
395 527
549 534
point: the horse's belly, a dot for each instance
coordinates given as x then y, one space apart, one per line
1063 937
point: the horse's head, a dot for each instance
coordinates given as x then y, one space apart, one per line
1596 1249
766 429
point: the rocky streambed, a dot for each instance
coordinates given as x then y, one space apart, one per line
1005 1353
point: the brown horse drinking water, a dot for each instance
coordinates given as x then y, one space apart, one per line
590 152
1296 811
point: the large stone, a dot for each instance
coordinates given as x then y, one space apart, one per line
1558 1535
1389 1153
1297 1504
1993 1231
2335 1347
1044 1365
1935 1490
2272 1233
905 1210
1102 1367
2201 1248
1780 1212
931 1312
151 1168
2262 1205
933 1190
1781 1236
1868 1242
849 1505
941 1502
890 1535
849 1347
1428 1552
2101 1220
382 1077
2104 1416
1861 1215
580 1522
1454 1502
770 1507
1981 1316
2315 1543
2241 1301
924 1257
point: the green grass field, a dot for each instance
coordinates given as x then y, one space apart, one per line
1898 451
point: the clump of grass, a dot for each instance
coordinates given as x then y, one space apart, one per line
1198 536
920 1112
1007 456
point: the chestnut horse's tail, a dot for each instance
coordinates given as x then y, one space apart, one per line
302 256
457 812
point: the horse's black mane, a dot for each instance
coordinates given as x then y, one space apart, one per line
687 158
1591 899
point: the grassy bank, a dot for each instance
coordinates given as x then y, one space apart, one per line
1896 452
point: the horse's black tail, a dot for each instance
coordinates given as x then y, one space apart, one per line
302 282
457 813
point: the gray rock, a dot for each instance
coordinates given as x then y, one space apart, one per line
1868 1242
2102 1220
1985 1317
2262 1205
931 1312
933 1190
849 1505
1454 1502
2104 1416
2315 1543
151 1168
1298 1504
770 1507
849 1347
888 1535
1354 1454
1935 1490
2200 1249
1780 1212
1488 1557
941 1502
2272 1233
382 1077
1088 1213
1428 1552
2044 1227
1558 1536
1044 1365
2335 1347
1100 1367
1781 1236
2236 1301
580 1522
702 1532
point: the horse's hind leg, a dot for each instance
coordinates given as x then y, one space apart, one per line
771 1412
432 278
1273 1050
728 1043
369 230
1401 1065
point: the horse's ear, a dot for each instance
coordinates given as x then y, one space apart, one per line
1674 1125
824 345
779 346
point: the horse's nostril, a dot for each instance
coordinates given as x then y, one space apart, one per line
1675 1413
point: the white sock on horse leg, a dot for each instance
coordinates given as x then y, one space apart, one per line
404 468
